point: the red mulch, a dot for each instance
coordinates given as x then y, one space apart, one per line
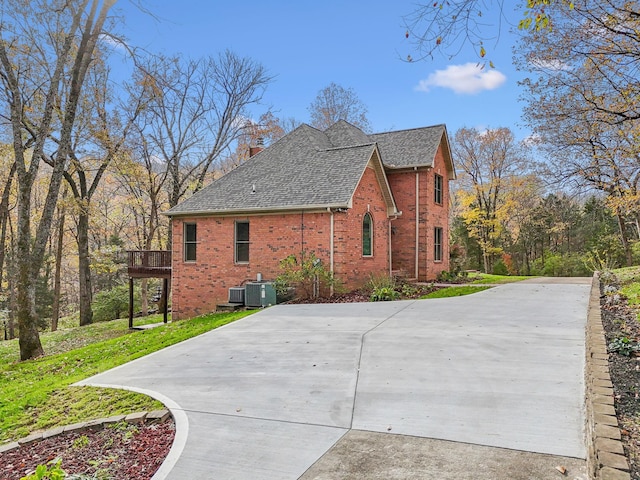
120 451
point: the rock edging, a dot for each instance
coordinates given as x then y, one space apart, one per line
136 418
605 454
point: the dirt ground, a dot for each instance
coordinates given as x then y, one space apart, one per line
620 321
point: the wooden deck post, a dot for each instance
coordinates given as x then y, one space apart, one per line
130 303
165 295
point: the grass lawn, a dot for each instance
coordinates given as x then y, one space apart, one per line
484 278
455 291
629 278
36 394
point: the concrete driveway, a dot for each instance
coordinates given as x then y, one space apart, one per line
486 386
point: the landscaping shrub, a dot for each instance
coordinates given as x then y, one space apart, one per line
500 268
561 265
113 304
306 275
381 288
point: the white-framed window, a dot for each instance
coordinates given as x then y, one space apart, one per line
190 242
367 235
437 244
242 242
438 182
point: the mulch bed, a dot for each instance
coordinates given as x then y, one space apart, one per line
620 321
417 291
119 451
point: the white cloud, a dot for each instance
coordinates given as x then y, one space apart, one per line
553 65
469 79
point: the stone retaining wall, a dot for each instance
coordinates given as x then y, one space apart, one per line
605 455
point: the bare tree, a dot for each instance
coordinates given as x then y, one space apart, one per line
588 64
44 47
101 133
448 27
195 110
334 103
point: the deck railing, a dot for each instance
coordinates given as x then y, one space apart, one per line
149 263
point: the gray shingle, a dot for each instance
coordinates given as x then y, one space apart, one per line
310 168
409 148
293 172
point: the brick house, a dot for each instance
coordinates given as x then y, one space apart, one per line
364 204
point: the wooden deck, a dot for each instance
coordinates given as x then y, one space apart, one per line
149 263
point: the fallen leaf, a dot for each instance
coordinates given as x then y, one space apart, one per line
561 469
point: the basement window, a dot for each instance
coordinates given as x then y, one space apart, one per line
242 242
190 242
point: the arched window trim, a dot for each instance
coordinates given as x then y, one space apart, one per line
367 237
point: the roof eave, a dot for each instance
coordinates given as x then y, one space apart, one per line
409 167
256 210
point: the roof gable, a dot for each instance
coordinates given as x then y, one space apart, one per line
291 174
309 169
343 134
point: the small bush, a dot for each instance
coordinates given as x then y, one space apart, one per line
113 304
384 294
561 265
382 288
452 276
624 346
52 472
307 275
500 268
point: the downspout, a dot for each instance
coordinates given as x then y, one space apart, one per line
417 266
331 246
395 217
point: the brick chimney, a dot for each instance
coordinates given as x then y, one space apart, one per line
258 148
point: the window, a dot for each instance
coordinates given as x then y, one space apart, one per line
437 244
367 235
438 189
190 242
242 242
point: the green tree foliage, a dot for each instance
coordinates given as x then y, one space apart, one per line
113 304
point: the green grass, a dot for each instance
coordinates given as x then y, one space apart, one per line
454 291
484 278
71 336
629 278
36 394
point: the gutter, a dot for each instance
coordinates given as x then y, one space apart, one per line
256 210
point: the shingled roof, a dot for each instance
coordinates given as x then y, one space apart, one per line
309 169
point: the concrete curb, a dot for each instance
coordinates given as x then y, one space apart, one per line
605 455
97 424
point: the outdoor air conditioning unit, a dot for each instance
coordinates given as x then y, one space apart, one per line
260 294
236 295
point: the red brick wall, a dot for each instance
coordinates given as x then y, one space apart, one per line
197 287
351 267
430 215
437 216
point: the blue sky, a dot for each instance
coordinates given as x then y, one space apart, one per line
356 44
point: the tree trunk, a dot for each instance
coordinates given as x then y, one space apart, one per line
84 268
55 310
29 341
625 242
